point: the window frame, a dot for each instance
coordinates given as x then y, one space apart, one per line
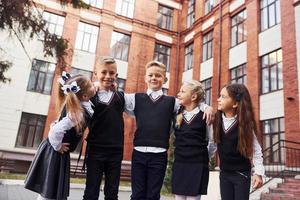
190 18
120 5
82 34
168 25
123 45
27 117
166 53
237 77
265 7
208 6
278 67
235 34
36 73
188 56
207 42
280 133
207 89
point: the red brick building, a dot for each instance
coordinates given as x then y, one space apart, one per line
255 42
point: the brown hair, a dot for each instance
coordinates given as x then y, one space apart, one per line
196 88
245 117
72 100
155 63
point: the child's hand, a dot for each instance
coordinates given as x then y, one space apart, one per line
64 148
209 115
257 181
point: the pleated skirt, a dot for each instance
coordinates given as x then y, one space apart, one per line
189 179
49 173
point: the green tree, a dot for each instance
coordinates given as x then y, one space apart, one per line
17 17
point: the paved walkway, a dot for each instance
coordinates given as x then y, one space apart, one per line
14 190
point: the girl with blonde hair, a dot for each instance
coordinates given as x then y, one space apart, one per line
193 145
49 173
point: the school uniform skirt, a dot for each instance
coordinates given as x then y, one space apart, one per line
189 179
49 173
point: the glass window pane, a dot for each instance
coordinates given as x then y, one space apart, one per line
272 17
265 80
273 72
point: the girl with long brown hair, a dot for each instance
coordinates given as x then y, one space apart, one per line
235 134
49 173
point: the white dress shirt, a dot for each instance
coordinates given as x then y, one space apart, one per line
257 153
212 147
105 96
129 109
58 129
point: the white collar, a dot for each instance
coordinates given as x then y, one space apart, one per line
228 118
156 93
195 111
105 91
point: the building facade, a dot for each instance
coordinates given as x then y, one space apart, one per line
255 42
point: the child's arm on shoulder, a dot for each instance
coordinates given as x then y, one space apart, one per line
208 112
129 103
57 132
259 170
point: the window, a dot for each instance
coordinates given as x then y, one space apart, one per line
162 54
164 17
94 3
75 71
191 13
121 84
125 8
273 132
208 6
238 28
188 58
207 46
269 13
54 23
271 66
31 130
238 74
41 77
207 85
119 46
86 39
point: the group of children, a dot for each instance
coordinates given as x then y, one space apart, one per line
100 108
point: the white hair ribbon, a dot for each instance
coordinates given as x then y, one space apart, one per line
64 77
73 87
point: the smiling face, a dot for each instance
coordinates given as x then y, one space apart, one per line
226 104
185 95
155 77
106 75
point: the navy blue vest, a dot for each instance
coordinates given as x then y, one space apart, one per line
107 124
230 158
153 119
191 141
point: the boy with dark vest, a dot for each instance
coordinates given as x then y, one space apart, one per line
106 137
153 112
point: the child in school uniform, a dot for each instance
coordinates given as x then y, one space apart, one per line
106 137
153 112
193 145
235 134
49 173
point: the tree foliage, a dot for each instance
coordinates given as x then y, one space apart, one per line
20 17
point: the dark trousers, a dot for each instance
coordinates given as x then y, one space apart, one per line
235 185
95 169
147 175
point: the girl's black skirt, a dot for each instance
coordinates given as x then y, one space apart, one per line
49 173
189 179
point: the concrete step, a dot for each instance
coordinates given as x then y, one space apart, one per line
274 196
